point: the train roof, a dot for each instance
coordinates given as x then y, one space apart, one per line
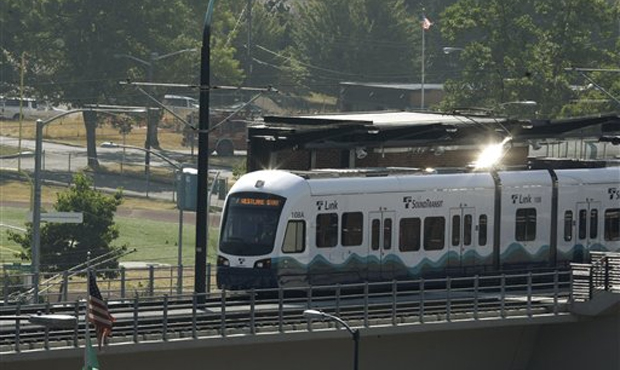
396 179
582 176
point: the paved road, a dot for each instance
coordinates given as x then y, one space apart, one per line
60 161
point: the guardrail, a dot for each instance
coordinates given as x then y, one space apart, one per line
150 281
278 311
601 275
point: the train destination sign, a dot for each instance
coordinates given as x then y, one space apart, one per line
261 202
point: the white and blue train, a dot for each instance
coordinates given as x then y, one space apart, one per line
286 229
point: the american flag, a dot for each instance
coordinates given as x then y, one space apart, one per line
98 312
426 24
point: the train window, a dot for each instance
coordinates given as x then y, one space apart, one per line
525 229
467 230
387 233
294 237
352 228
582 223
409 238
612 224
568 226
376 227
434 231
326 230
482 230
456 230
593 223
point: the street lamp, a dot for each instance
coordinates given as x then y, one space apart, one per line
110 144
528 103
448 50
451 49
504 107
35 247
355 333
54 320
46 320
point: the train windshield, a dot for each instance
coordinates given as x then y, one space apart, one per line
250 223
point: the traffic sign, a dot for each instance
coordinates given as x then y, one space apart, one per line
60 217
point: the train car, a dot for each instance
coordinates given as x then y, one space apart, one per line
287 229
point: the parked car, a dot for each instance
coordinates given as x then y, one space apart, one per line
30 108
181 105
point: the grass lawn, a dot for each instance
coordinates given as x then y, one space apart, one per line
154 241
157 241
13 217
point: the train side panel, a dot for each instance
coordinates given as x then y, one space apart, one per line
525 219
386 230
588 213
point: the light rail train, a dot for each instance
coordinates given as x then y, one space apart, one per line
286 229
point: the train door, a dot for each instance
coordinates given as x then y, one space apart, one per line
381 245
461 238
587 228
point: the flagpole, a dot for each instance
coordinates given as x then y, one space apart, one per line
87 326
422 87
87 342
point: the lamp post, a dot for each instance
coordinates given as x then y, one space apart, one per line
528 103
521 103
35 246
451 49
46 320
355 333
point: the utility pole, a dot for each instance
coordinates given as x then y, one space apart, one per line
151 136
202 210
249 51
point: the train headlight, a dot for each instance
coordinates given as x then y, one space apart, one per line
221 261
263 264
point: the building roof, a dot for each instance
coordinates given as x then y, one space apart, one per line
402 129
393 119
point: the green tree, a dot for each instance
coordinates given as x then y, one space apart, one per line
516 51
361 40
260 48
73 49
66 245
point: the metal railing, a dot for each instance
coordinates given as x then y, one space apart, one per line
150 281
601 275
277 311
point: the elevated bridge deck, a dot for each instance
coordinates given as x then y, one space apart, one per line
528 321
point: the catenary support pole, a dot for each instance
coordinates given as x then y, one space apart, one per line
202 211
